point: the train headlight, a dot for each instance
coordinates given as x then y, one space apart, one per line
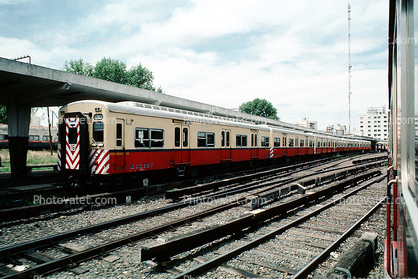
98 117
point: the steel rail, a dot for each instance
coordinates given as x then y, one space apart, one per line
357 165
304 272
50 240
9 214
91 253
217 261
57 264
176 194
165 250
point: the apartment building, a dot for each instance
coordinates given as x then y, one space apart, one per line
374 123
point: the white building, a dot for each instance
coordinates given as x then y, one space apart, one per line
374 123
337 129
307 124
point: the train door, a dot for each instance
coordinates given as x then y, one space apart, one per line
120 154
73 133
182 142
254 144
226 145
284 144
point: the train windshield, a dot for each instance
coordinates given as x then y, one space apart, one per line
72 136
98 129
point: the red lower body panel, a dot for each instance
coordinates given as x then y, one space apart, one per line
152 159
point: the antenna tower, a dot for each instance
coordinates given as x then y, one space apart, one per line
349 72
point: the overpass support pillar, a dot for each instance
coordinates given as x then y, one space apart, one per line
18 120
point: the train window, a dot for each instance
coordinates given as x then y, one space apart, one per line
291 142
185 137
205 139
45 138
118 134
310 143
296 142
201 139
223 138
149 137
72 136
318 144
302 143
265 141
244 141
284 141
276 142
177 137
241 141
227 138
255 140
157 138
141 137
252 140
98 131
210 139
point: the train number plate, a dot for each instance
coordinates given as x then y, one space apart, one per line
141 166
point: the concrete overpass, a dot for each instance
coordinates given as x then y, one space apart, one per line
24 85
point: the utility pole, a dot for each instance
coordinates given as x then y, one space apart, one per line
349 72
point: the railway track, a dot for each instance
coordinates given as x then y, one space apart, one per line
289 249
50 263
78 201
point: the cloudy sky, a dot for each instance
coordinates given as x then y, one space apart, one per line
221 52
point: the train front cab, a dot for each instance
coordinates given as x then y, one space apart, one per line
73 144
82 150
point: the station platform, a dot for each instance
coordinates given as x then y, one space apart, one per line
35 180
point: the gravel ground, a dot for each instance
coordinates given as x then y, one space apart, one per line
15 234
128 263
296 261
375 223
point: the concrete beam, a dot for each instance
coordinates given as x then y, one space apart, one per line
357 261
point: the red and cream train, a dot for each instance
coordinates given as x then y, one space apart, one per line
101 139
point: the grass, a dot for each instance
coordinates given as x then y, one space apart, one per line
34 157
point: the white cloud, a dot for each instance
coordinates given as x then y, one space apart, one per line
14 2
294 54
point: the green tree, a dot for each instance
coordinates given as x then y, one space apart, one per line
115 71
260 107
3 114
111 70
79 67
140 77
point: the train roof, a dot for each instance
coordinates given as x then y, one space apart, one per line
160 111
